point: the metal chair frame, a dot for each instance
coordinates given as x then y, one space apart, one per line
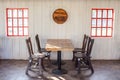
82 50
83 60
35 59
42 50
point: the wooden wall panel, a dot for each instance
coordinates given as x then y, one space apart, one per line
77 24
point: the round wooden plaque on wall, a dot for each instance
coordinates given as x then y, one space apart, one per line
60 16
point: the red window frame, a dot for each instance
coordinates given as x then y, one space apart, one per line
21 30
103 20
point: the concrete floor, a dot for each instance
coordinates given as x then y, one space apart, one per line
104 70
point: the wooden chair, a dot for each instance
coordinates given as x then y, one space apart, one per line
83 59
42 50
85 40
35 59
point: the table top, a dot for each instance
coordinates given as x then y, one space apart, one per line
59 45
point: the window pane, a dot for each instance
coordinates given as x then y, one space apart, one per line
9 22
20 22
109 13
93 22
93 31
104 23
99 13
103 31
14 13
17 22
98 31
25 22
15 31
25 31
109 32
109 22
9 13
26 13
19 13
9 31
20 31
104 13
14 22
99 23
93 13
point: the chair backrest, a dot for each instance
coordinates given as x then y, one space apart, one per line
38 43
85 39
29 46
89 46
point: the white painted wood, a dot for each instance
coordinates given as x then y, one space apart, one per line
77 24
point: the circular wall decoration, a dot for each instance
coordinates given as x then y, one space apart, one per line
60 16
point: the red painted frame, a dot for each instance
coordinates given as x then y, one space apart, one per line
96 9
17 21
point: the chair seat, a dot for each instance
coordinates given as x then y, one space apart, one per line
44 50
38 55
46 54
80 55
77 50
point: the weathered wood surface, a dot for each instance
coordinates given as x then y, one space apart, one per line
59 45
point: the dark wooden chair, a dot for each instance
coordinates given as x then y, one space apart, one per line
35 59
42 50
84 43
83 59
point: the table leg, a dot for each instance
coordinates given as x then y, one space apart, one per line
58 59
59 71
54 62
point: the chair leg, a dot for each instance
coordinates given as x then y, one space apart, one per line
79 65
90 66
73 59
48 56
28 67
27 70
42 64
49 60
76 62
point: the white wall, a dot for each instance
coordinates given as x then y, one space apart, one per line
77 24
